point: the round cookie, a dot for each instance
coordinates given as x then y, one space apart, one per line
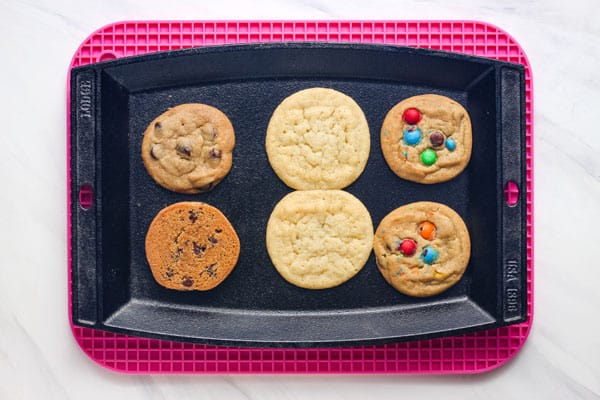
318 139
191 246
422 249
319 239
188 149
427 138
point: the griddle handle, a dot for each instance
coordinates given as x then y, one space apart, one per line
84 204
513 208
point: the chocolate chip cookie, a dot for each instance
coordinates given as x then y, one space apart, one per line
188 149
427 138
318 138
191 246
422 249
319 239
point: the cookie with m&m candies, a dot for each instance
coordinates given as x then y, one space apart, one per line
427 138
422 249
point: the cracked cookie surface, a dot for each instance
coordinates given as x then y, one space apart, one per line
427 138
191 246
188 149
319 239
318 138
422 248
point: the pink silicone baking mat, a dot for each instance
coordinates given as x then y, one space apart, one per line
470 353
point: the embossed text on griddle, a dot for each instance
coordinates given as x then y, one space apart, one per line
512 271
512 281
85 99
512 300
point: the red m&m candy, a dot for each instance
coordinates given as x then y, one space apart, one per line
411 116
408 247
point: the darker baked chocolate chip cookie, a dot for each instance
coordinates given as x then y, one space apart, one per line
191 246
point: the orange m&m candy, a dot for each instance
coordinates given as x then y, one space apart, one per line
427 230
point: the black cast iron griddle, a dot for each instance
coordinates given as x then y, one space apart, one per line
113 102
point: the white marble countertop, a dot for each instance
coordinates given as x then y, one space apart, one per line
40 360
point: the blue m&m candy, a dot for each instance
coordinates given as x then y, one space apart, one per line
450 144
412 136
429 255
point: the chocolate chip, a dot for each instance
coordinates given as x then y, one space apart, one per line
177 254
178 236
187 282
158 125
184 150
437 138
218 230
214 153
153 152
210 270
193 217
199 249
169 273
213 239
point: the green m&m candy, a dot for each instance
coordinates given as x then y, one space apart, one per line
428 157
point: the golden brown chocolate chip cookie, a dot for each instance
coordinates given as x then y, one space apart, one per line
427 138
318 139
422 248
319 239
191 246
188 149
